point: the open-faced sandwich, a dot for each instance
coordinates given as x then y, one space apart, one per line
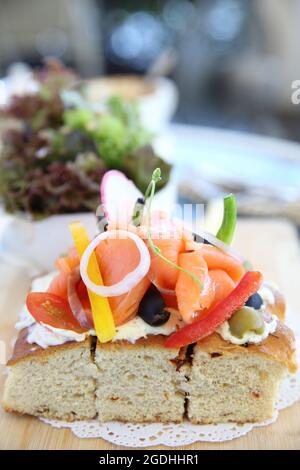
148 322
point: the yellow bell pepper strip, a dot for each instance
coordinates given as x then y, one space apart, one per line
101 311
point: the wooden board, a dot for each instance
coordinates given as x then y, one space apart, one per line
273 248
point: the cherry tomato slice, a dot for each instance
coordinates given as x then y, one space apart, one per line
52 310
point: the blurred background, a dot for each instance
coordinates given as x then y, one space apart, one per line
213 81
232 64
233 60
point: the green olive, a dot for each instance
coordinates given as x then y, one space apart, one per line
245 320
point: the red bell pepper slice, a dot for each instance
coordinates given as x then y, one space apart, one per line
203 327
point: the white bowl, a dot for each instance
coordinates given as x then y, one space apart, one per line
157 97
157 109
35 245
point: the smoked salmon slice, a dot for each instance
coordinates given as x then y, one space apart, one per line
116 258
162 274
65 265
191 297
59 285
223 284
217 259
169 238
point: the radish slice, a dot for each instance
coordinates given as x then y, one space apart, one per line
118 196
74 301
130 280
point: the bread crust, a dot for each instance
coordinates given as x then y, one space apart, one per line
155 341
24 350
279 346
69 418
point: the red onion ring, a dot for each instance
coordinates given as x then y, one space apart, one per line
222 246
130 280
74 301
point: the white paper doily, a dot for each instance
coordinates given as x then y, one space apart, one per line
146 435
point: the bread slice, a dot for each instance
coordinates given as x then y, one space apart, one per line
145 382
57 382
140 382
238 383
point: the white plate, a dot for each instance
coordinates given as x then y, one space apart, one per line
236 157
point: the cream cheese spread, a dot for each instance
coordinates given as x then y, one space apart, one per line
249 336
267 294
46 335
138 328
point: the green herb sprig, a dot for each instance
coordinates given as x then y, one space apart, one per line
149 194
227 229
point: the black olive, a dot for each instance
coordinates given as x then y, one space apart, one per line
254 301
102 222
138 211
152 308
197 238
